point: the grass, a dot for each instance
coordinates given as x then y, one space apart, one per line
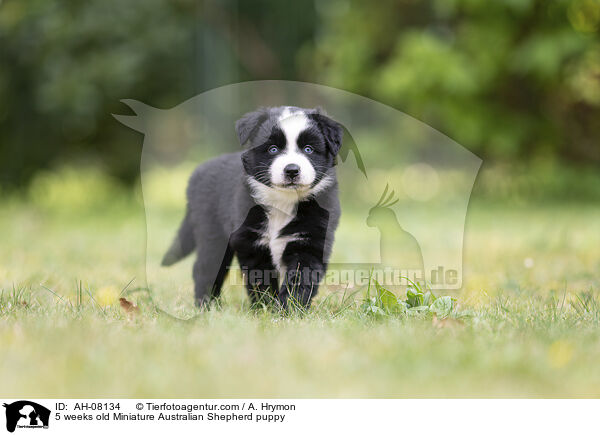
525 324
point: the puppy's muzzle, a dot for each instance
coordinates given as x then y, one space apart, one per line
291 172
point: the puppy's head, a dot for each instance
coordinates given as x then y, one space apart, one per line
289 148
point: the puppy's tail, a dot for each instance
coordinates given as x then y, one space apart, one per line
183 244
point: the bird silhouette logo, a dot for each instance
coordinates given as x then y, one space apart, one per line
398 248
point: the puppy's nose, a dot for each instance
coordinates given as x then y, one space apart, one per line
292 170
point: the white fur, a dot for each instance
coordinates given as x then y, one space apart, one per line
281 206
292 124
277 197
325 182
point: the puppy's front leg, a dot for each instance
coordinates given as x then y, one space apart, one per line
304 271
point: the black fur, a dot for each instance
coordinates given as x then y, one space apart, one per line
255 261
304 259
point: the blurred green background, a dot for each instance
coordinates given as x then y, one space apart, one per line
516 81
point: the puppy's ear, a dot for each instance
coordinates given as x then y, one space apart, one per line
248 124
332 132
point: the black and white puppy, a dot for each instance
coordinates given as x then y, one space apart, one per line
274 206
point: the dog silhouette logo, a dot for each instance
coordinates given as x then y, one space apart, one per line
26 414
415 231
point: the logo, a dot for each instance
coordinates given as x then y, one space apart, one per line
26 414
412 235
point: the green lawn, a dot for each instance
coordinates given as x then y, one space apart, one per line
528 315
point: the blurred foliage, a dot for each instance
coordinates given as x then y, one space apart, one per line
510 80
507 79
65 65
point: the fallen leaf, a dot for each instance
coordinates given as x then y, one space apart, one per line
129 307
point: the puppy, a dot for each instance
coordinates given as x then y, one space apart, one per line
274 206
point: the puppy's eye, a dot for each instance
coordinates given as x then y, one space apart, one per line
308 149
273 149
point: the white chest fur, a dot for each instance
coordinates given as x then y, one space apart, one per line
277 219
281 207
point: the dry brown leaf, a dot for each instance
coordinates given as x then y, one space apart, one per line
447 323
128 307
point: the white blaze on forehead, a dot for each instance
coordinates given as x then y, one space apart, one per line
292 124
